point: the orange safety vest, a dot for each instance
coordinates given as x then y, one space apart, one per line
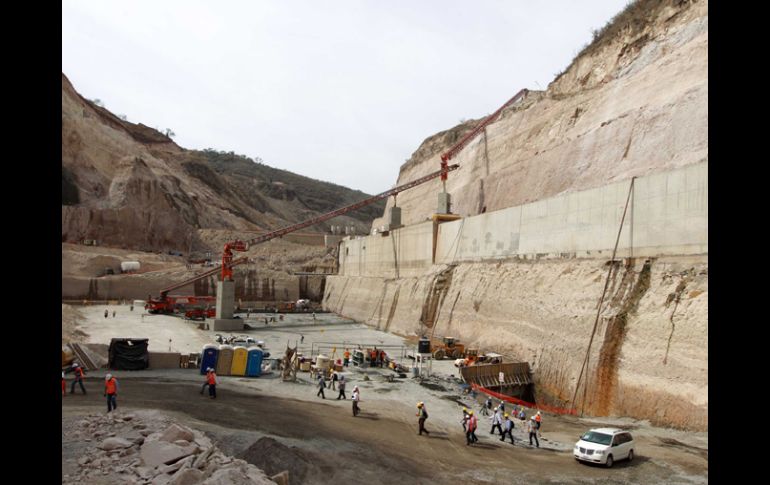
347 354
79 373
212 379
537 418
110 386
472 423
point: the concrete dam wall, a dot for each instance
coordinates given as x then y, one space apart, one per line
526 281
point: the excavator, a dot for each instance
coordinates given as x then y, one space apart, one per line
165 303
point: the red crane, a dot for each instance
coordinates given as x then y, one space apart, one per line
165 304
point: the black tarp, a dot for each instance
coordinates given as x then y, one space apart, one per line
129 354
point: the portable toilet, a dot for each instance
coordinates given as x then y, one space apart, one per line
240 358
225 360
254 364
209 357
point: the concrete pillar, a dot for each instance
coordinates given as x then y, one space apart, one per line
444 203
394 218
225 299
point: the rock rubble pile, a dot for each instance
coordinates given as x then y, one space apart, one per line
125 448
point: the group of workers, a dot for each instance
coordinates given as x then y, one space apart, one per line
377 357
502 421
339 381
110 385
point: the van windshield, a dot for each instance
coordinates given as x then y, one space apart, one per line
594 437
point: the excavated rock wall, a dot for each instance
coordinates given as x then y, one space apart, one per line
634 103
649 357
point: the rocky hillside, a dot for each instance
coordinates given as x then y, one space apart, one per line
129 186
633 102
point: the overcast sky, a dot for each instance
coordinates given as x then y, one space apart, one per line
342 91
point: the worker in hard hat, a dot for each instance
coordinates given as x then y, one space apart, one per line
486 406
206 379
342 388
63 385
211 380
423 415
538 419
321 385
470 435
346 359
111 392
79 374
497 421
532 429
507 428
464 421
356 399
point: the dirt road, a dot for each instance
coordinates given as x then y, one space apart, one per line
326 444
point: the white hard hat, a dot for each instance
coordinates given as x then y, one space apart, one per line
108 377
75 364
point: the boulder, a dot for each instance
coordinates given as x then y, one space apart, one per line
156 453
176 432
229 476
114 443
161 479
184 463
200 461
281 478
188 476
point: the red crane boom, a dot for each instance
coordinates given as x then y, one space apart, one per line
227 258
162 304
473 134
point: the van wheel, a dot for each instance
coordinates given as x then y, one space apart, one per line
610 461
631 455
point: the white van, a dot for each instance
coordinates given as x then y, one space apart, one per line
605 446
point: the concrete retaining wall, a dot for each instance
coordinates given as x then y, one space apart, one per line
667 215
411 247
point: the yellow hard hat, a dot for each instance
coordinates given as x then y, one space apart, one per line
419 404
470 412
465 409
506 415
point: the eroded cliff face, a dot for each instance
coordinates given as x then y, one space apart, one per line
633 104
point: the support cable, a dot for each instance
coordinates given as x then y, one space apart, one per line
599 309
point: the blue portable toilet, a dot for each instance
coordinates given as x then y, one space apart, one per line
254 362
209 357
